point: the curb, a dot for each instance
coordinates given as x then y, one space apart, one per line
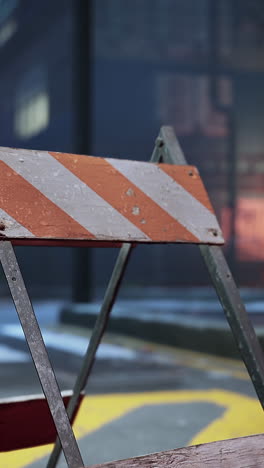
209 336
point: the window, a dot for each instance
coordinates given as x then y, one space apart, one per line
184 101
32 116
7 32
32 111
8 25
250 229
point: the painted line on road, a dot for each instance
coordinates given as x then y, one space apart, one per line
243 416
227 367
71 343
185 357
11 356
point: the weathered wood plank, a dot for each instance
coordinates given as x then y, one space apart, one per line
72 198
26 422
245 452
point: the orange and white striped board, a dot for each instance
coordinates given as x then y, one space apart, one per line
55 197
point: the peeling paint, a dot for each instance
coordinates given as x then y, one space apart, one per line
135 210
130 192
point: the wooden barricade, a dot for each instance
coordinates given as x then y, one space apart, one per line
65 199
243 452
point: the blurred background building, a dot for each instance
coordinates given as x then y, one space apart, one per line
100 77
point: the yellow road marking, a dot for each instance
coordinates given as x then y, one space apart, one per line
184 357
243 416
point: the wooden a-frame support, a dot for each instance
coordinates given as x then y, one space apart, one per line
166 150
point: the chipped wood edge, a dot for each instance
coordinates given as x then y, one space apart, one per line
244 452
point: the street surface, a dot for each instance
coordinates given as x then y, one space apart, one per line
141 397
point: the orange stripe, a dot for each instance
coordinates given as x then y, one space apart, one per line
188 177
125 197
34 211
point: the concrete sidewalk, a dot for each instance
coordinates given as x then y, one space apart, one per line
187 318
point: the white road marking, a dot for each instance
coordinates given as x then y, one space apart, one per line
73 344
10 355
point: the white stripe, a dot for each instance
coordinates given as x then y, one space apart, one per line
72 343
9 355
12 227
171 197
38 396
72 195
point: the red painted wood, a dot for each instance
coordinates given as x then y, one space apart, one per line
27 422
61 243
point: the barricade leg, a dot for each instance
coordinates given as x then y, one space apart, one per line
236 315
97 334
226 289
100 325
39 354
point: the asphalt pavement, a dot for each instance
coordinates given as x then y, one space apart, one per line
142 396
